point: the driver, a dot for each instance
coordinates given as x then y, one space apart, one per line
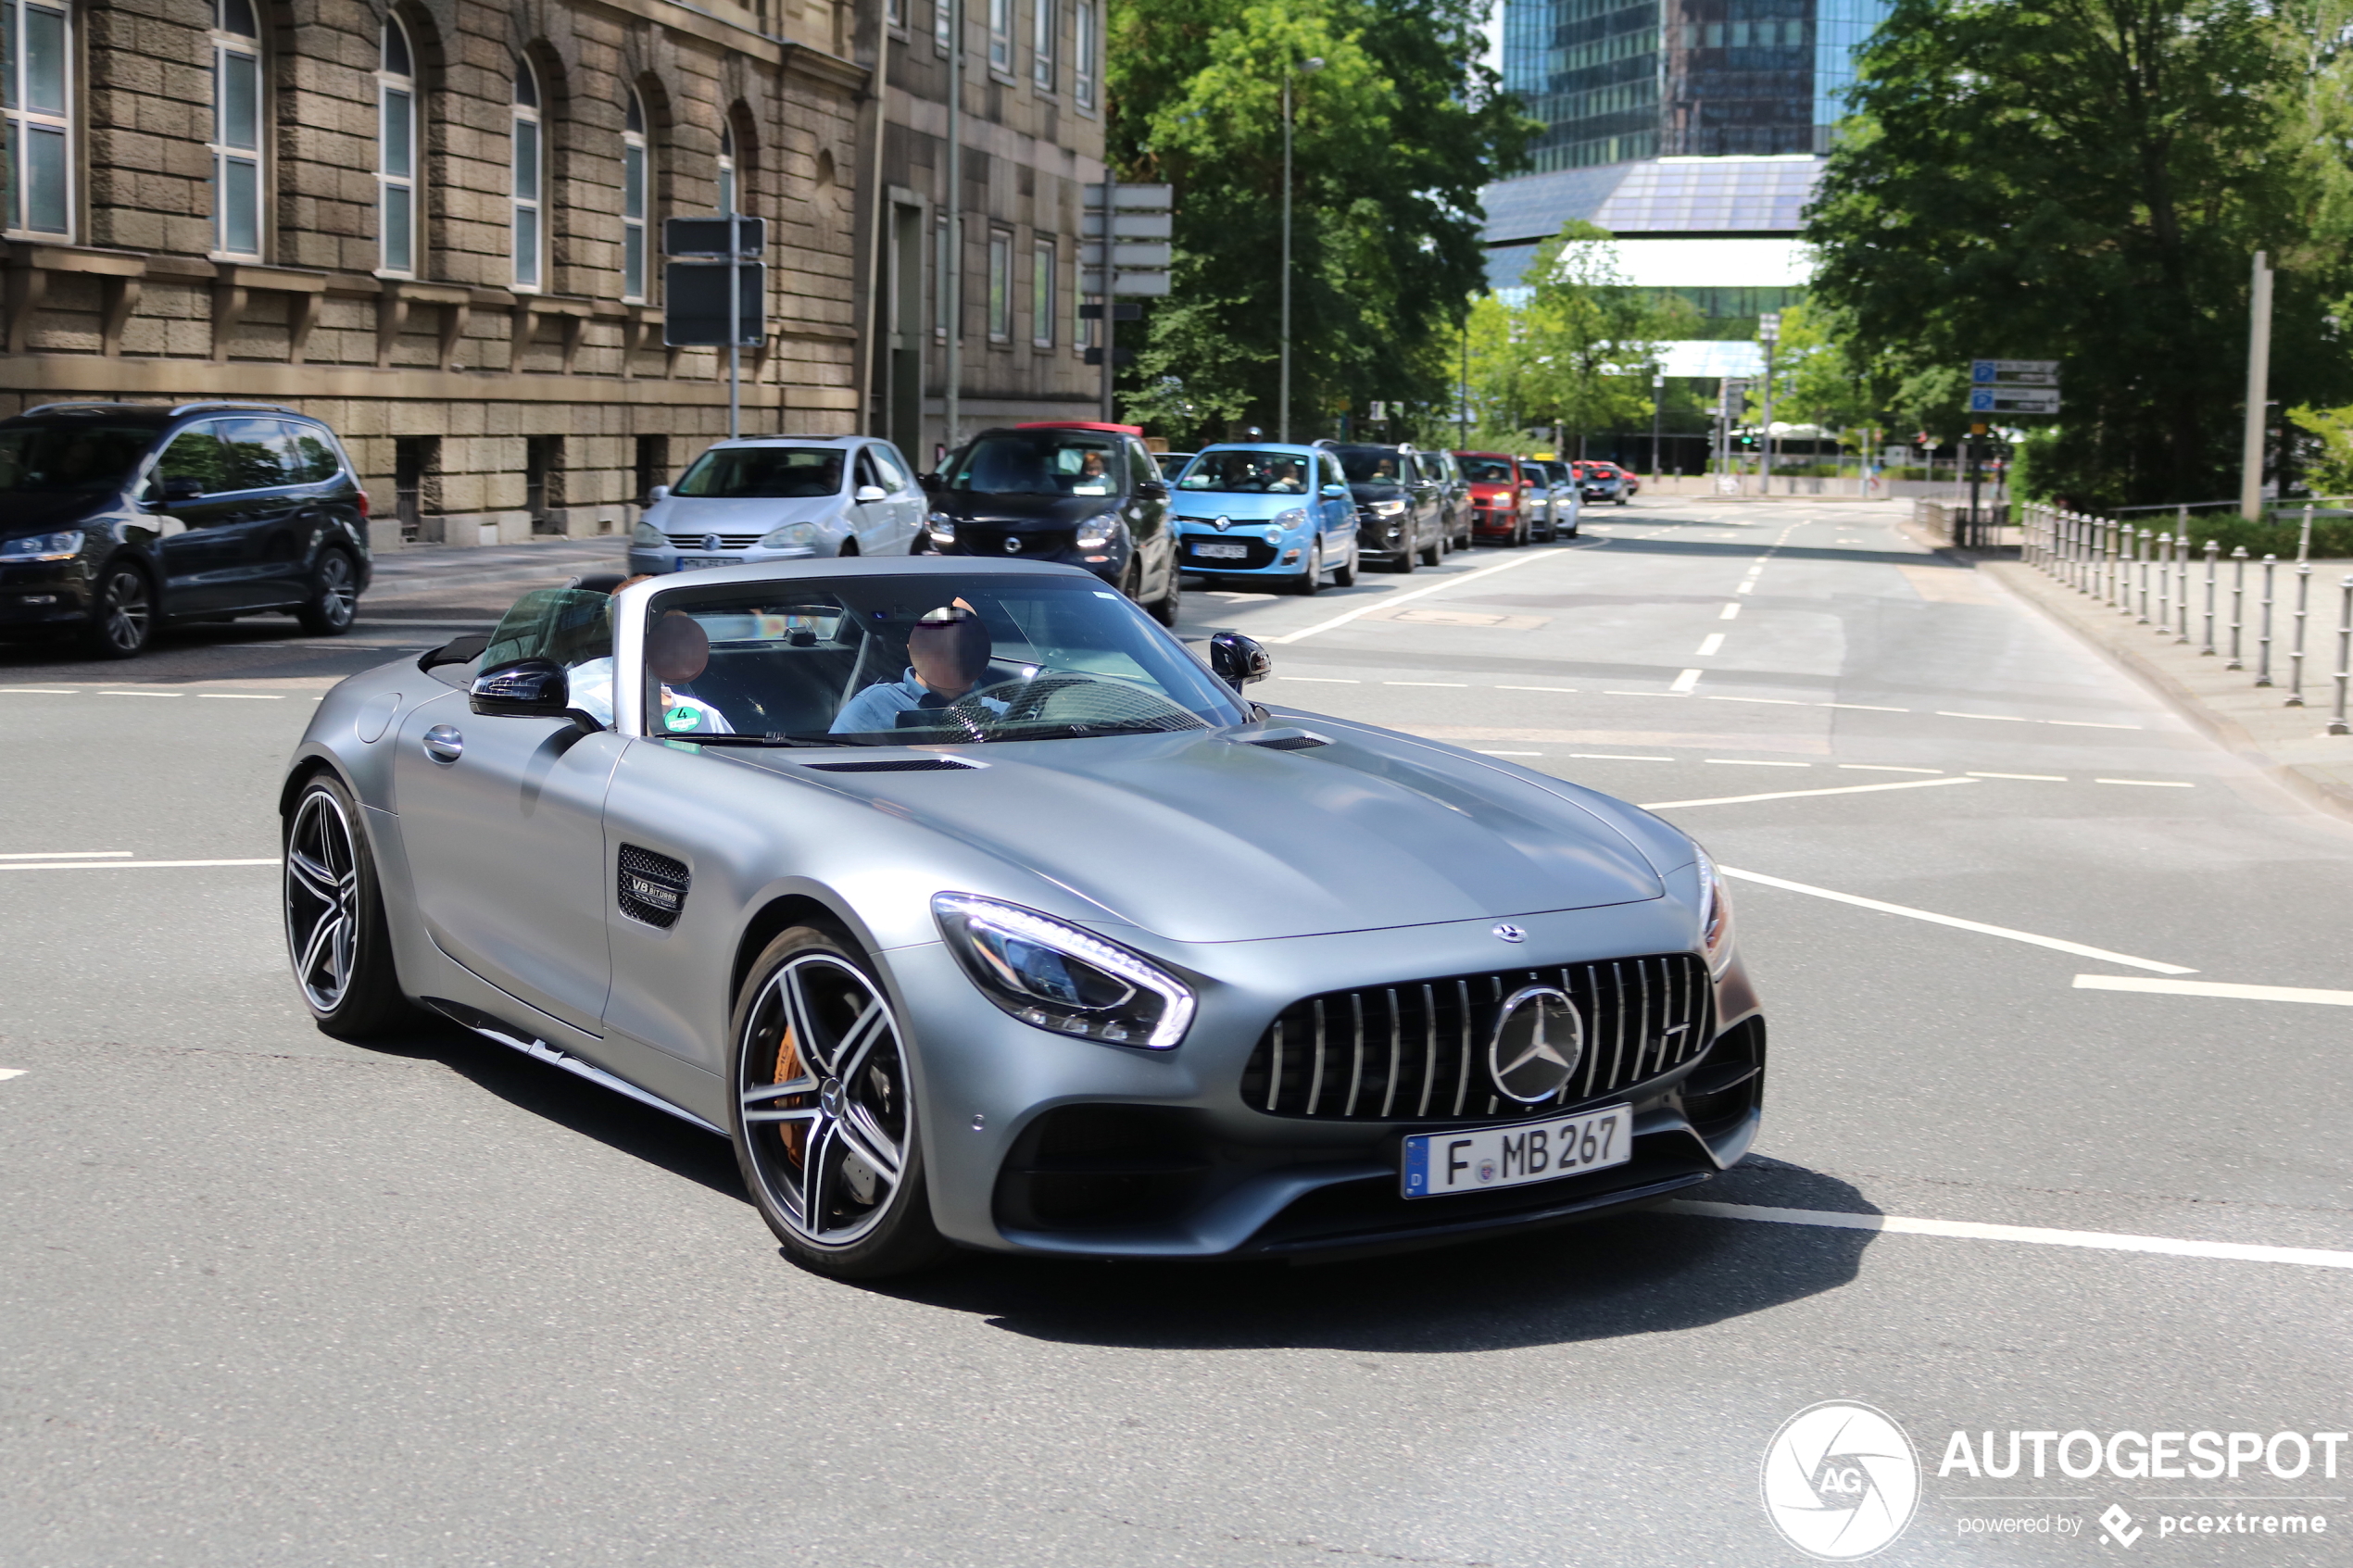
1094 476
948 652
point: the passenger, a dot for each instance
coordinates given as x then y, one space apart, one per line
676 651
1285 479
1094 476
948 653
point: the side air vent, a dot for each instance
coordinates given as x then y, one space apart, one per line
895 765
1285 740
653 887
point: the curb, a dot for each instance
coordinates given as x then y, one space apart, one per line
2328 793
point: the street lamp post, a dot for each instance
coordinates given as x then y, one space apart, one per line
1308 67
1769 333
1658 406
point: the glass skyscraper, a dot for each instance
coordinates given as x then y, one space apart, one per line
1613 81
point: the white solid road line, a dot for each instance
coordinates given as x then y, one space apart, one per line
1801 794
2036 778
40 691
2106 1241
2148 784
2214 989
142 693
123 865
68 855
1615 757
14 1072
246 696
1886 768
2057 944
1384 601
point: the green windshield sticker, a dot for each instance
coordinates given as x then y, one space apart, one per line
680 718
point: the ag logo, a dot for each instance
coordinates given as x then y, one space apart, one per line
1839 1481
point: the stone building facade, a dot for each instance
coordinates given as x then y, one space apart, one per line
1031 134
436 225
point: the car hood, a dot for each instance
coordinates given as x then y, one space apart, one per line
1202 508
1202 838
41 511
1017 513
714 514
1376 492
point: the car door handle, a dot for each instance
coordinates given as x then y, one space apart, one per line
444 743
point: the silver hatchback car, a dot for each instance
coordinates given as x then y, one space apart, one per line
782 498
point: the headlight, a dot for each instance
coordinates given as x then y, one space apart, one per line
1062 979
1285 522
44 547
789 534
1714 913
1097 532
645 533
1388 508
942 526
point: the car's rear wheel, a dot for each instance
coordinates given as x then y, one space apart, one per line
1344 575
123 613
824 1117
335 933
335 596
1311 582
1435 551
1171 604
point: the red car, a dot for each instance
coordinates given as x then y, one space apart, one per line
1499 491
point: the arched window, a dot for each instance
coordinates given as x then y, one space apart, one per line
38 79
633 199
236 129
530 175
726 169
397 155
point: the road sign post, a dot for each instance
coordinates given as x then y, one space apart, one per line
716 292
1123 240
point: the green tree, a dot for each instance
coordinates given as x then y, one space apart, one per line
2086 181
1393 139
1574 348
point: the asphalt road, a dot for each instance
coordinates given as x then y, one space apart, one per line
266 1298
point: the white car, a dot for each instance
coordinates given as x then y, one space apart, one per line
782 498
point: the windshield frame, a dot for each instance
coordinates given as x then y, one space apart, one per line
635 609
841 468
956 477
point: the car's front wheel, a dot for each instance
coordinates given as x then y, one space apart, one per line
1434 552
824 1116
123 613
335 596
334 913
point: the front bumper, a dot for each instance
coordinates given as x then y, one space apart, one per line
35 595
1279 556
660 561
1039 1143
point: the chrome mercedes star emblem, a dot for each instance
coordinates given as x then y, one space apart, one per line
1013 544
1511 932
1222 523
1539 1041
711 542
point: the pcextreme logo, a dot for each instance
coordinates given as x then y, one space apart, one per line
1840 1481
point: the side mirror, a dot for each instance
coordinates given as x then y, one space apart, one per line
523 688
871 493
1336 492
1238 660
1151 490
659 493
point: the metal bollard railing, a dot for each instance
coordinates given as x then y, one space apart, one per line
2296 649
2181 583
2213 553
2164 584
2140 559
2238 604
2263 639
2118 591
2337 725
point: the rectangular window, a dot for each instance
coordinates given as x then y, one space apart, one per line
1000 287
943 23
236 149
33 86
895 13
398 181
1001 35
1042 47
1082 53
526 202
939 278
633 221
1043 262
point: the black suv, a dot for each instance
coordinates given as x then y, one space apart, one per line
1401 505
115 517
1070 491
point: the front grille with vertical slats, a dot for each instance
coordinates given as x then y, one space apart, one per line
1417 1050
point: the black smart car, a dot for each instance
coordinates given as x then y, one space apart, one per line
116 517
1076 492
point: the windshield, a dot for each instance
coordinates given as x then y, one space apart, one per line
1370 465
1245 472
939 658
1040 462
766 472
55 458
1488 471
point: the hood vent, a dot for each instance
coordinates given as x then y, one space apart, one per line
1285 739
896 765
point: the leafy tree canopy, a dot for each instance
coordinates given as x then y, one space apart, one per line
1393 139
2087 181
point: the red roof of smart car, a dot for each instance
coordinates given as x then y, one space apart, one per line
1081 424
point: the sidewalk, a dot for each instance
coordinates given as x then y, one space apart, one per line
2293 744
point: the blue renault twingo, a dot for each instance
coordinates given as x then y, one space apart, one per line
1270 512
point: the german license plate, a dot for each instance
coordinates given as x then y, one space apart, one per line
696 563
1482 1159
1214 551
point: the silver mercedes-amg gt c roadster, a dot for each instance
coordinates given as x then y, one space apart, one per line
978 910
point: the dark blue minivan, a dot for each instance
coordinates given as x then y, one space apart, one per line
117 516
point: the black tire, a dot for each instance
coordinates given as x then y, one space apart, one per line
337 938
1434 552
1344 575
334 603
123 613
858 1098
1310 582
1170 605
1407 559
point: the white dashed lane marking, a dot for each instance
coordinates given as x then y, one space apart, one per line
2106 1241
2214 989
13 1072
1800 794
